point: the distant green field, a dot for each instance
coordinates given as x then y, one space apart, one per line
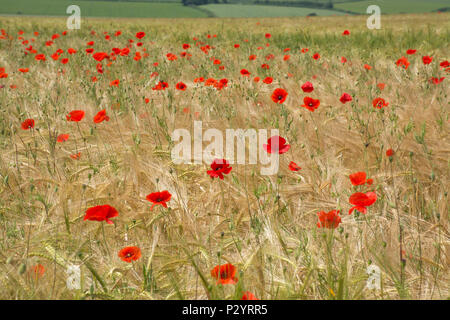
234 9
100 9
259 11
395 6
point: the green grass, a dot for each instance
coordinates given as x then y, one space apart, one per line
100 9
243 11
174 8
395 6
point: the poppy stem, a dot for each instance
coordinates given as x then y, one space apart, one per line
400 231
104 239
84 141
316 130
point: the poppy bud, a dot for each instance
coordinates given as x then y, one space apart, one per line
22 268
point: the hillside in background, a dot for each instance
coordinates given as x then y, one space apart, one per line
216 8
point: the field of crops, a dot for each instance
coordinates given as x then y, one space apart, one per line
243 11
233 9
395 6
89 181
100 9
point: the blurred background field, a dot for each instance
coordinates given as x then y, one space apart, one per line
216 8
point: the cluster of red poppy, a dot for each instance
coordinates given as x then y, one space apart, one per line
359 200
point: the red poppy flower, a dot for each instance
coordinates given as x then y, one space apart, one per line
101 213
181 86
316 56
124 52
329 220
381 86
37 271
23 70
76 156
379 103
268 80
389 153
76 115
358 178
293 166
114 83
62 137
345 33
55 56
444 64
99 56
268 35
245 72
310 103
159 198
427 59
436 80
411 51
343 59
248 296
225 274
403 62
367 67
140 35
304 50
101 116
276 144
28 124
210 82
129 254
161 86
361 201
307 87
221 84
40 57
279 95
171 57
345 98
219 168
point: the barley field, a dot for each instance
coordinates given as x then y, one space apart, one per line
86 137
